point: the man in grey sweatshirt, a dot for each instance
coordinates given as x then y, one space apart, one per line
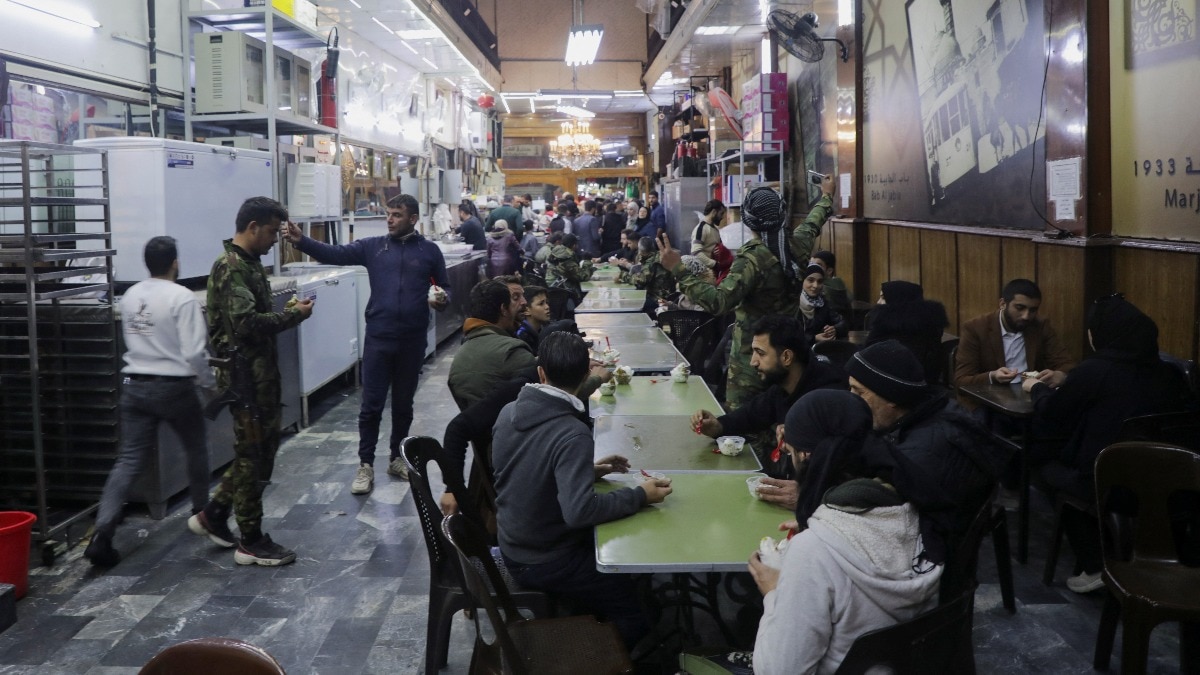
542 451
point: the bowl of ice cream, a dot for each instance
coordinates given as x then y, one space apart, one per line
608 388
770 552
752 483
623 374
680 373
610 356
730 445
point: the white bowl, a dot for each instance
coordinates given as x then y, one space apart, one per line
730 445
608 388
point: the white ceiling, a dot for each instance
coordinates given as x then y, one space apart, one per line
378 21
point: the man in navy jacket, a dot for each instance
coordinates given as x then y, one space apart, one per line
401 267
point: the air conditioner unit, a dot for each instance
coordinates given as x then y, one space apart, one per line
230 73
477 130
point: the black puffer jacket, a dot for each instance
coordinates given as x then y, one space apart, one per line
944 462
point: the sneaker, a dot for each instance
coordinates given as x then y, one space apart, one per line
397 468
1085 583
263 552
100 551
216 530
364 480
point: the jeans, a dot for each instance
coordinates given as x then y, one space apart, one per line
144 404
609 597
393 363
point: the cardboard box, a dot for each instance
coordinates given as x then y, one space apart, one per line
765 109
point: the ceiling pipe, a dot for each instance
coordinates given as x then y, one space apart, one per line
693 17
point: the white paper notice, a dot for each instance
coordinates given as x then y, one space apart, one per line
1064 209
844 189
1062 177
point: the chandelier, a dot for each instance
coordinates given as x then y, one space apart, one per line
575 147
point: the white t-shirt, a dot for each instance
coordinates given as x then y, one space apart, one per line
165 333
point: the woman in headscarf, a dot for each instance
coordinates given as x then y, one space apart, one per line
1124 377
903 314
820 322
642 224
504 253
763 279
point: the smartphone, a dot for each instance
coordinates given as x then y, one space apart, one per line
816 178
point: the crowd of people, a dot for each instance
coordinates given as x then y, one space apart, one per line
880 467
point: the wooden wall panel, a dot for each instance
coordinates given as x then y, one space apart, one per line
880 266
978 275
1060 274
904 254
843 248
1163 285
939 271
1018 261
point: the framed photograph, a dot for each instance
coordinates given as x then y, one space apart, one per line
1160 31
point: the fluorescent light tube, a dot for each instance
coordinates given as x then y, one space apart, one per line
73 17
582 44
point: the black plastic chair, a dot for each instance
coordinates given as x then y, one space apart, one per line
567 645
701 345
445 577
961 571
1188 369
559 300
1176 428
838 352
679 324
925 645
1148 582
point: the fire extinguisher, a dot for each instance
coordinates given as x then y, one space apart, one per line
327 83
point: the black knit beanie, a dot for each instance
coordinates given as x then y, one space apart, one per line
890 370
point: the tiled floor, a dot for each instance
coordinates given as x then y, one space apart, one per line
355 600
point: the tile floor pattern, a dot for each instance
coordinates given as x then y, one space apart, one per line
355 599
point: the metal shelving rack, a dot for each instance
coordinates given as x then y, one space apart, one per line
274 28
59 365
761 151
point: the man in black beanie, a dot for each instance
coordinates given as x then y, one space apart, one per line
939 457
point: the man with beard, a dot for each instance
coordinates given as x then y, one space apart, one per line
781 357
998 348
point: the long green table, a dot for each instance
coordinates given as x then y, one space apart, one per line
645 358
605 274
612 320
709 523
656 396
631 301
666 443
621 335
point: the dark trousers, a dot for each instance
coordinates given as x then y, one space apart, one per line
388 363
1082 529
608 597
145 404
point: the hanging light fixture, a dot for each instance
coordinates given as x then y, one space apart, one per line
584 40
575 148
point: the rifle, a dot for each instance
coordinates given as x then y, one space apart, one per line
239 396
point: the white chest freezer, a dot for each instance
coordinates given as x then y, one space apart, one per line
189 191
329 338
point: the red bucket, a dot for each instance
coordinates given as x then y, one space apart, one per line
15 530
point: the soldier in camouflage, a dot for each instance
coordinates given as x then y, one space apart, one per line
649 275
240 315
762 280
563 269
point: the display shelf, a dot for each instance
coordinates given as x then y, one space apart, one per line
733 184
258 124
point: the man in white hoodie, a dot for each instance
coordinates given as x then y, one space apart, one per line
855 569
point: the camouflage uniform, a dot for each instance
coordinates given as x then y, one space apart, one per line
654 278
755 287
564 271
239 295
